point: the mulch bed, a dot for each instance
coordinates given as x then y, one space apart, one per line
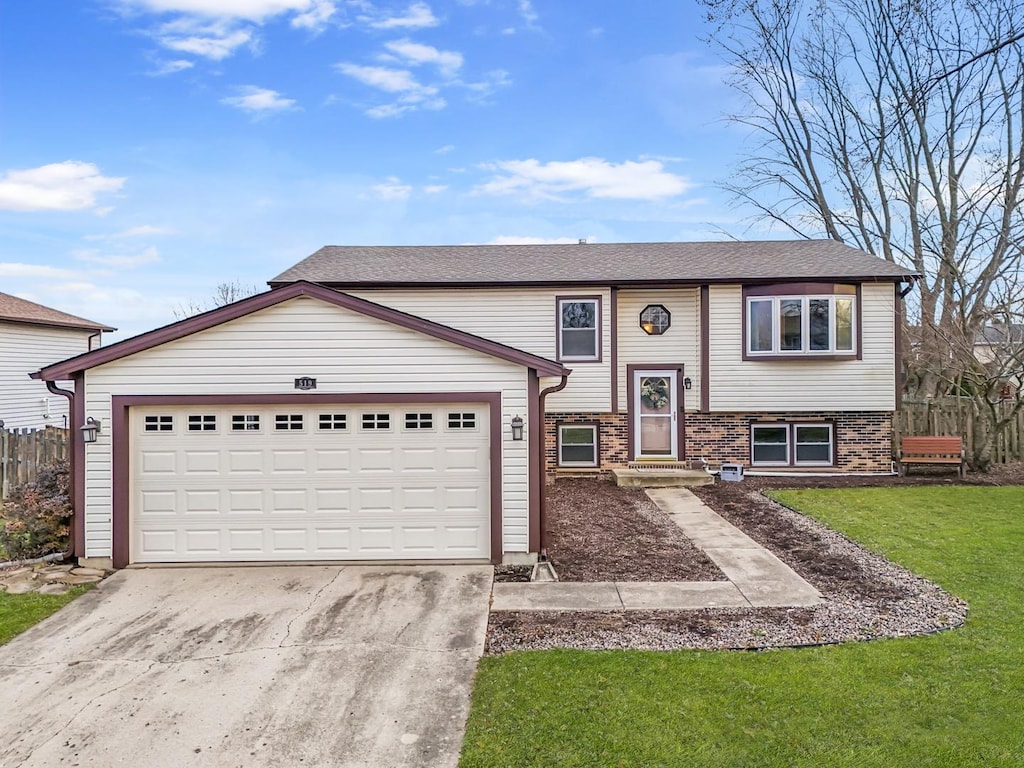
598 532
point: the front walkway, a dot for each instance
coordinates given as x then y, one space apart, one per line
756 577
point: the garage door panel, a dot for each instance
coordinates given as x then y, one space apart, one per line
202 462
289 462
334 492
245 461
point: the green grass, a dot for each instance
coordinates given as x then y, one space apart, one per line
19 612
951 699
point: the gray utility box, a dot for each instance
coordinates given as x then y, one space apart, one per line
732 473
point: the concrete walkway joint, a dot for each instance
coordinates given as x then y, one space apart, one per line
756 577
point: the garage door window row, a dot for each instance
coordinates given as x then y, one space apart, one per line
295 422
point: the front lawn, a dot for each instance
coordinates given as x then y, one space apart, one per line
19 612
952 699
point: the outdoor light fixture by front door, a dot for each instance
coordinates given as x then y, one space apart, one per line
517 427
90 430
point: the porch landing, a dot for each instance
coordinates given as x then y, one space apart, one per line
661 475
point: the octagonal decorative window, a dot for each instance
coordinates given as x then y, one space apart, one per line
655 319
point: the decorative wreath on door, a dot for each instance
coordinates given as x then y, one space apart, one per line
654 393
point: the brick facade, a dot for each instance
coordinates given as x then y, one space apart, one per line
863 439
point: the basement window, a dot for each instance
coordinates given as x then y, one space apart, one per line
577 445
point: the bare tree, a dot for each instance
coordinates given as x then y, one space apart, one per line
876 123
223 294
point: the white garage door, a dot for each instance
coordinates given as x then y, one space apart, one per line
249 483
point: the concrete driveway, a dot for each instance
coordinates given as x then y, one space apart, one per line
257 666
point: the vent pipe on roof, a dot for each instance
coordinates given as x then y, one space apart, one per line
583 241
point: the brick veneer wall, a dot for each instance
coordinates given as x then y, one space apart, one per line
863 439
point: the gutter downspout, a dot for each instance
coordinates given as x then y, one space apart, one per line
542 475
72 435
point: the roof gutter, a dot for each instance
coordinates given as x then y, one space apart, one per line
72 474
542 511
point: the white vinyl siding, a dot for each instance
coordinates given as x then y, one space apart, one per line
523 318
679 344
803 385
347 352
24 349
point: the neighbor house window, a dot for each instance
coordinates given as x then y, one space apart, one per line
801 325
791 445
577 445
579 329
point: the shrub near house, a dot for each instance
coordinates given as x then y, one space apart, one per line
35 518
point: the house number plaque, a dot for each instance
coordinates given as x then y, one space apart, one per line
305 383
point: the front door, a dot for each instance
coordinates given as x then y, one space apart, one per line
655 413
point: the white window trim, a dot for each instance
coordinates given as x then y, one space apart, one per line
593 429
596 357
789 447
831 444
791 443
805 326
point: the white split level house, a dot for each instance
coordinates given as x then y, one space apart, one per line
32 336
411 403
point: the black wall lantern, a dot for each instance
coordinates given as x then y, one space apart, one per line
517 427
687 383
655 319
90 430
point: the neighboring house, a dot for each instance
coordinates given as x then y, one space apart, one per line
397 403
32 336
1000 348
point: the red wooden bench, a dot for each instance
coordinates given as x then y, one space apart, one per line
932 450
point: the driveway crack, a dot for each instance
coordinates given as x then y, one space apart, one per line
57 733
308 608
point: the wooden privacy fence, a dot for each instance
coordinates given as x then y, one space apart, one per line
23 452
955 416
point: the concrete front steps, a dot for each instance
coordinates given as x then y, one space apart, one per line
661 475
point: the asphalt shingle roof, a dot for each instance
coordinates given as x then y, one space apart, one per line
596 263
18 310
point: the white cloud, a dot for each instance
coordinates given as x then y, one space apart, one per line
528 13
411 93
35 271
448 62
258 101
493 80
593 176
526 240
216 29
68 186
216 40
392 189
416 16
433 189
122 261
319 13
445 149
250 10
384 78
170 67
144 230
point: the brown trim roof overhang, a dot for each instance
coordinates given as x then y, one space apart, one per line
67 368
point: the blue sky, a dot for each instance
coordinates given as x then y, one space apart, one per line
151 149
